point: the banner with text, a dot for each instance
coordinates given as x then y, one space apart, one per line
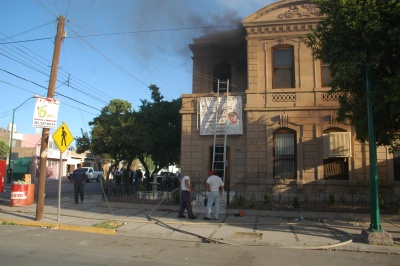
46 112
229 110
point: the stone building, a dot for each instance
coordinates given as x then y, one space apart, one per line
290 140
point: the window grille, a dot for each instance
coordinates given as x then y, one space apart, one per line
285 154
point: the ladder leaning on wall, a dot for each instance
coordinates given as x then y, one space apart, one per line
219 162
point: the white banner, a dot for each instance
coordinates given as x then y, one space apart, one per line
46 112
230 109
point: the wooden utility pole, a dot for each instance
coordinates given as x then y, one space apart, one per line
46 131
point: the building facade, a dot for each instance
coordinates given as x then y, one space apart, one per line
291 139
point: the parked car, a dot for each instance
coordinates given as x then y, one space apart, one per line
168 179
90 173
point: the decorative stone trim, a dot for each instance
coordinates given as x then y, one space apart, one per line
305 10
281 28
330 96
284 97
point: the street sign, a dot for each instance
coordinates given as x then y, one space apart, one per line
62 137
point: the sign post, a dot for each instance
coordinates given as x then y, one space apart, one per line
63 138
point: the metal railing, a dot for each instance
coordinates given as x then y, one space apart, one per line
314 201
143 193
302 201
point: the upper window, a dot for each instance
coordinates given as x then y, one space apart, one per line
325 75
283 66
221 72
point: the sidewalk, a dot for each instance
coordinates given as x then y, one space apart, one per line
280 229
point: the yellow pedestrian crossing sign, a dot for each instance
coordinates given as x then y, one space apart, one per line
62 137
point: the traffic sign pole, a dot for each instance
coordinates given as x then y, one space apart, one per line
63 138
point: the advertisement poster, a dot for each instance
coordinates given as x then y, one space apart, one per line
46 112
217 115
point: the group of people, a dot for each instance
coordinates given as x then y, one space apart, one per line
214 185
134 177
79 178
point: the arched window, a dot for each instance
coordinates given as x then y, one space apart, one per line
223 72
283 67
285 158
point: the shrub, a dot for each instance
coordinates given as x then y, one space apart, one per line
266 198
296 203
331 200
176 198
382 203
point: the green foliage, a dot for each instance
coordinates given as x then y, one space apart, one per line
266 198
382 202
331 200
296 203
160 123
4 148
109 224
238 202
352 35
152 135
176 199
8 223
398 207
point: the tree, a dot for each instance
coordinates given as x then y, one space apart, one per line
160 123
151 135
4 148
108 137
352 35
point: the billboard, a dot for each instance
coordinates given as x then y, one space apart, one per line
216 114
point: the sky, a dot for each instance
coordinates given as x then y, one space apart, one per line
114 49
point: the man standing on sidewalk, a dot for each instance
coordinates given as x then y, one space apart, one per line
186 189
79 178
215 185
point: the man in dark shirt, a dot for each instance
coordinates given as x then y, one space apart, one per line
79 178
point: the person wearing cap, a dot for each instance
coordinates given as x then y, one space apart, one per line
215 186
186 189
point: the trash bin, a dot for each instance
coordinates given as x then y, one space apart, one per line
31 194
1 184
19 195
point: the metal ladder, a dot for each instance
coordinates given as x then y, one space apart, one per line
220 131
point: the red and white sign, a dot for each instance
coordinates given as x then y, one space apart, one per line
46 113
18 195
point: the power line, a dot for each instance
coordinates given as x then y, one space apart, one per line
44 71
148 31
60 94
33 40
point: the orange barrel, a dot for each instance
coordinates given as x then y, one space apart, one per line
19 195
31 194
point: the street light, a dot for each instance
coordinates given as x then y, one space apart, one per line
9 176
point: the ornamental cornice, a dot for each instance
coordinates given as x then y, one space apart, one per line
298 11
292 11
279 28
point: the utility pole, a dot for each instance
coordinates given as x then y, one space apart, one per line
46 131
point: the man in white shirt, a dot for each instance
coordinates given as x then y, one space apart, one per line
215 185
186 189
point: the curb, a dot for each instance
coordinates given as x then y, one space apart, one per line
65 227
